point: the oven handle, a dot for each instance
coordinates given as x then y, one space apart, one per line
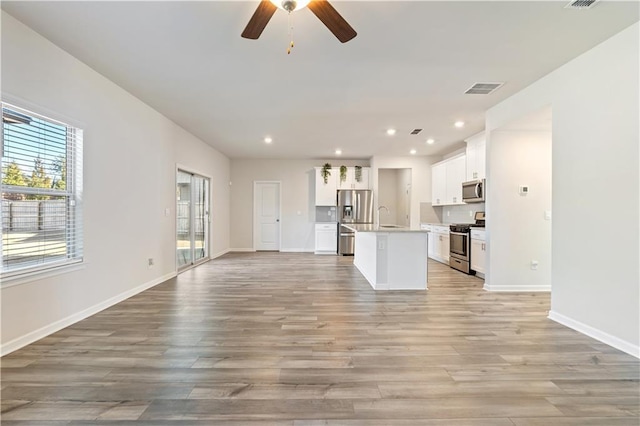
464 234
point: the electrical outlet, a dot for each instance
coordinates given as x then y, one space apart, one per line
470 213
381 245
150 262
534 265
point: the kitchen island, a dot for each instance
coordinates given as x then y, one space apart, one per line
390 257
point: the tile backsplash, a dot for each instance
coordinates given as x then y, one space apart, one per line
461 214
325 214
449 214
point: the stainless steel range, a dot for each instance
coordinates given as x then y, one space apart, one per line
460 244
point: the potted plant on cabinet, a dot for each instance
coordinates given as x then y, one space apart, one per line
358 173
343 173
326 172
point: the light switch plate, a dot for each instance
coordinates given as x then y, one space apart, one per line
547 215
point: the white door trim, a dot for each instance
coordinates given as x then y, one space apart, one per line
255 233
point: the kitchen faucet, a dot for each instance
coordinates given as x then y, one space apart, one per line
381 207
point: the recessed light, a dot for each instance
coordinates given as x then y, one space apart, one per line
268 140
459 124
431 141
413 151
338 151
391 132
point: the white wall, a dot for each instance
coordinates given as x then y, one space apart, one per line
595 262
130 156
297 191
517 230
420 179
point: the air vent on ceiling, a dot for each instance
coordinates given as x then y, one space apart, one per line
580 4
482 88
416 131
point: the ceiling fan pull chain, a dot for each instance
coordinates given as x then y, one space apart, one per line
290 23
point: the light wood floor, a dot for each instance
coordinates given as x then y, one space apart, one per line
298 339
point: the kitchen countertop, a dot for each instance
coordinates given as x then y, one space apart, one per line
376 228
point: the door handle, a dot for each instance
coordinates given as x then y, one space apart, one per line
277 220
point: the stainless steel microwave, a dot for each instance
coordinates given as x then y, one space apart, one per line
473 191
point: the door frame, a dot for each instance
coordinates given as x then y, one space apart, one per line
253 202
188 169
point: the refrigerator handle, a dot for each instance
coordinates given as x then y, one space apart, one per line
358 207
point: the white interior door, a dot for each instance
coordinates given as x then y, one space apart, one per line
266 214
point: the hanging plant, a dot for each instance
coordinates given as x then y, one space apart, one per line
343 173
326 172
358 173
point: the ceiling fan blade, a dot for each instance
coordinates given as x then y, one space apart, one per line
259 20
332 20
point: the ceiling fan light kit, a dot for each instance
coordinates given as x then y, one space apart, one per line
290 5
321 8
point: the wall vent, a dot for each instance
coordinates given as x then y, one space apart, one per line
580 4
482 88
416 131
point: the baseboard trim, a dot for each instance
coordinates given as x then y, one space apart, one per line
517 288
241 250
220 253
295 250
599 335
38 334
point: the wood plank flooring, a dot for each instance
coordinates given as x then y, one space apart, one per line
298 339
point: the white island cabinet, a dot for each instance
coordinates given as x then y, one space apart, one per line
391 258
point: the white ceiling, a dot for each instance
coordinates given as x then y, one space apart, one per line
407 68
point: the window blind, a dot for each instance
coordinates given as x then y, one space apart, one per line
41 192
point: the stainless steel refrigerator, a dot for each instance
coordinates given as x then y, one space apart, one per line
355 207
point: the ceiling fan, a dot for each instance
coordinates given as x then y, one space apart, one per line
321 8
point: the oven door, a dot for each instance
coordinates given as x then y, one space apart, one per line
459 245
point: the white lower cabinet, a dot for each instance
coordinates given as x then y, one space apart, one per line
326 238
478 251
439 243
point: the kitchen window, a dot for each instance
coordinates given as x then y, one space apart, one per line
41 193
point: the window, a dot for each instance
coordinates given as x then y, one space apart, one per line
41 192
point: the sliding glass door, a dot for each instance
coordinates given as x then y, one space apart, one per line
192 215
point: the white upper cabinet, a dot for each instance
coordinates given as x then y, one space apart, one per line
351 181
476 157
456 168
326 192
446 181
439 184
